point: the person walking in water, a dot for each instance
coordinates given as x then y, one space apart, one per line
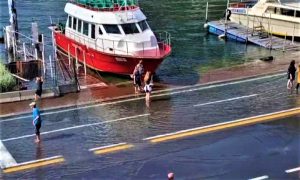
37 122
39 88
291 76
298 79
148 86
137 76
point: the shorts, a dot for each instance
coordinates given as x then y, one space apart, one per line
137 81
37 129
38 92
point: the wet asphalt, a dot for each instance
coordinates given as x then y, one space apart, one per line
240 153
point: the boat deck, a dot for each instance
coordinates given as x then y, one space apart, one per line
243 34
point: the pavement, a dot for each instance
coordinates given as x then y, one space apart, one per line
95 94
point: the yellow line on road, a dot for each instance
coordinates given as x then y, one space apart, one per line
113 149
34 164
226 125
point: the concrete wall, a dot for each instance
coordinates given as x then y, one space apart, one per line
26 95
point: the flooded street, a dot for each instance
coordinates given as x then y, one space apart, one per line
266 145
242 152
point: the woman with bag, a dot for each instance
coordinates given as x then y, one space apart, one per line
291 75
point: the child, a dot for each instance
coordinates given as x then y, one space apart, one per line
148 86
298 79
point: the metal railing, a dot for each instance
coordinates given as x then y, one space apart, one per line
155 48
107 5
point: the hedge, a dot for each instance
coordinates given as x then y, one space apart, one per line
7 81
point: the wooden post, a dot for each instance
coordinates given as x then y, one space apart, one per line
206 13
283 48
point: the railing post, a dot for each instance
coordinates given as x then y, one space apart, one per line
43 53
84 63
114 47
69 56
51 70
36 54
24 51
127 46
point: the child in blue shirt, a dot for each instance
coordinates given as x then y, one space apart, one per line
37 122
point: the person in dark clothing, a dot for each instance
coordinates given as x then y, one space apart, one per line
39 88
291 75
137 76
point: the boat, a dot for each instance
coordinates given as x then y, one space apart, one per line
110 36
270 16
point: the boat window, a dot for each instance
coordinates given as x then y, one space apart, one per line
74 23
85 28
100 31
287 12
79 25
113 29
93 31
130 28
297 13
143 25
70 21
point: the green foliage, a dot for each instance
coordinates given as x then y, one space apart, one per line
7 81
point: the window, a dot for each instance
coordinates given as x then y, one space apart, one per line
130 28
287 12
74 23
113 29
100 31
79 26
93 31
85 28
70 22
143 25
297 13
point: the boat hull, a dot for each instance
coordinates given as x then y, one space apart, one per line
274 26
104 62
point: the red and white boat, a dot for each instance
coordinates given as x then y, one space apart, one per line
111 36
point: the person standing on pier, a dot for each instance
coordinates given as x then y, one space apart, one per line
39 88
37 122
137 76
291 75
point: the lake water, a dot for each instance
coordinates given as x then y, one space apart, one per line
194 51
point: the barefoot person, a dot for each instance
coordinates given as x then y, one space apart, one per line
148 86
39 88
137 76
298 79
37 122
291 76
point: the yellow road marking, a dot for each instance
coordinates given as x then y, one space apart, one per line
226 125
36 164
113 149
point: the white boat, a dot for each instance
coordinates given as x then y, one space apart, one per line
270 16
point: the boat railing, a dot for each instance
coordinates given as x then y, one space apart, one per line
155 48
107 5
241 5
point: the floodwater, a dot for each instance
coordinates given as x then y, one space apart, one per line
244 153
72 132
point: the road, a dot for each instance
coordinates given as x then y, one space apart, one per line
262 149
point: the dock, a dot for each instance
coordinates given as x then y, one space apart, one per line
254 35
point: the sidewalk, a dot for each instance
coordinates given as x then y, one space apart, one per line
109 93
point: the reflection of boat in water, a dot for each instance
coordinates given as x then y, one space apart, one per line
111 36
268 15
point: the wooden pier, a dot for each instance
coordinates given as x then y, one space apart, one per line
254 35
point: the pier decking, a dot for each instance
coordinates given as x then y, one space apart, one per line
243 34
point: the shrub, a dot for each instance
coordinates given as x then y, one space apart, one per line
7 81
